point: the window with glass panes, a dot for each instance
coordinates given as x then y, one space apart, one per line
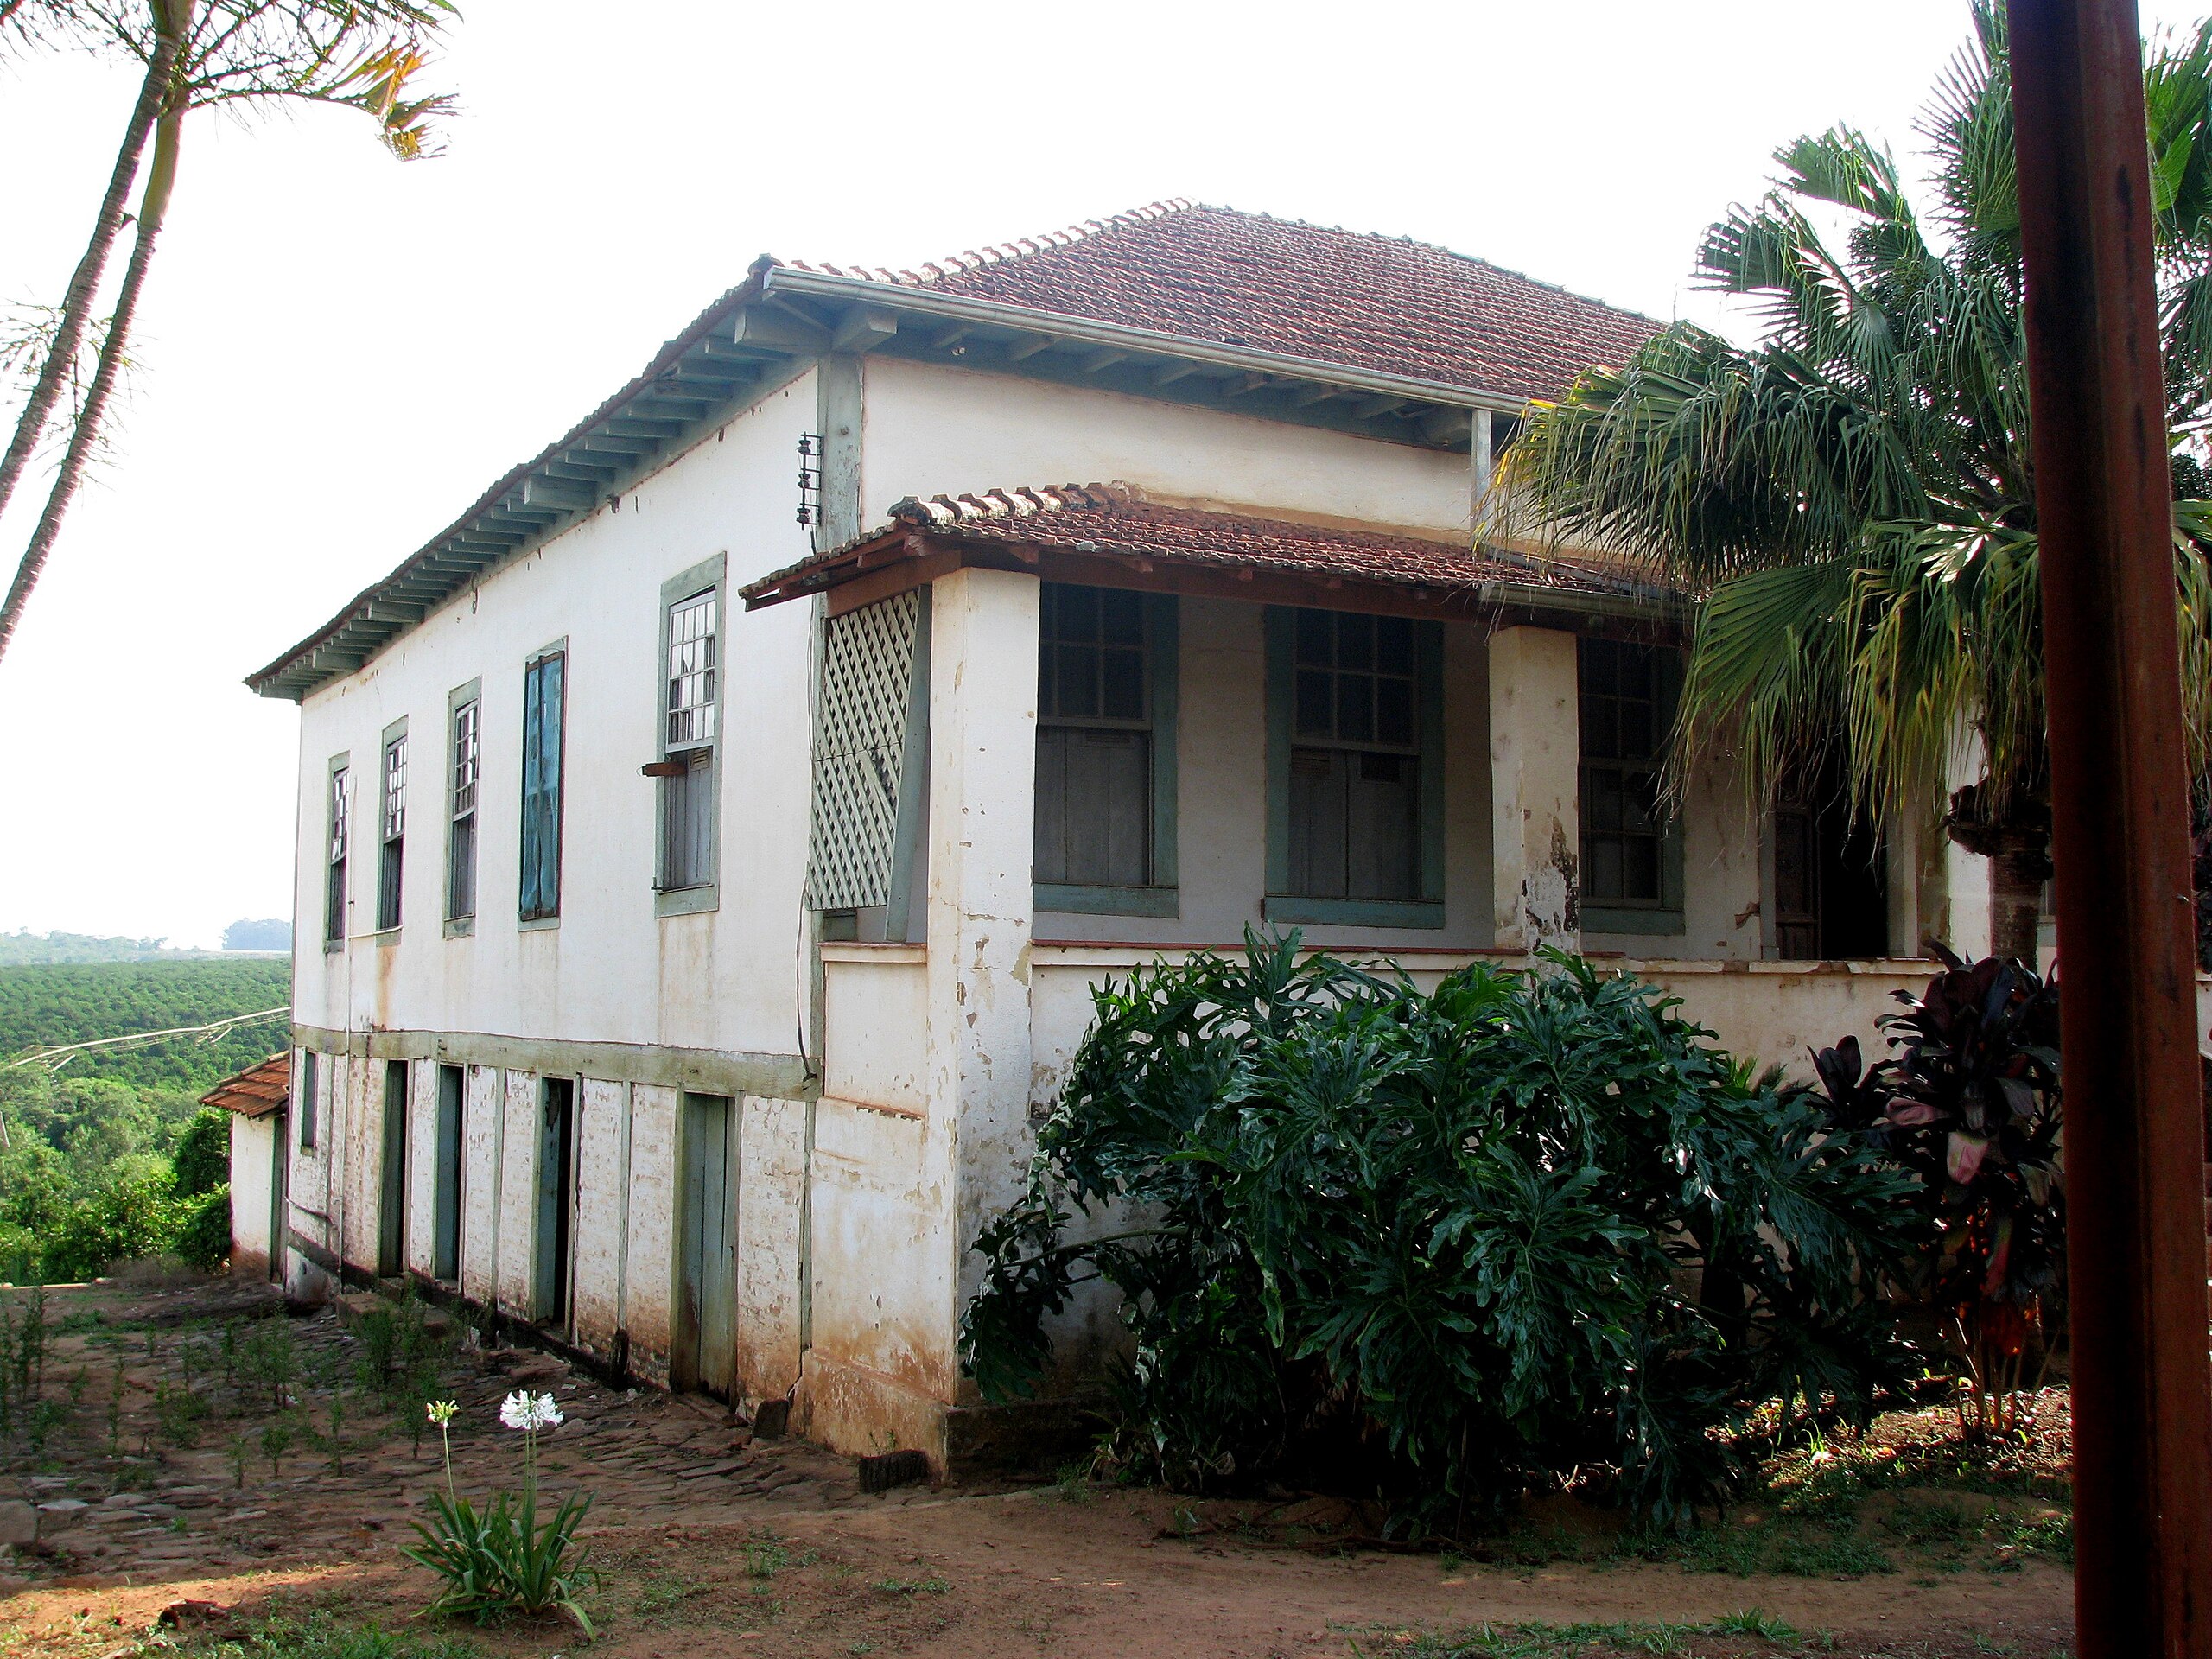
1624 693
689 705
333 888
390 861
1094 739
1355 758
463 763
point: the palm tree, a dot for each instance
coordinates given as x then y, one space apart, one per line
1853 499
194 55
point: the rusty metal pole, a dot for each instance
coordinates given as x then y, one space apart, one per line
2120 786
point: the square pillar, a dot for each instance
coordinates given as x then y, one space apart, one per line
1536 752
982 856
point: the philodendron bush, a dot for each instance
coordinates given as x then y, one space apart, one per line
1436 1248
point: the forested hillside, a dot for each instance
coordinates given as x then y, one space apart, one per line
75 1002
99 1164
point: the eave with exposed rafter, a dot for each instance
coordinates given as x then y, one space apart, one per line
769 328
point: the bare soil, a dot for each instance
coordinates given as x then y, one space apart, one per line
708 1543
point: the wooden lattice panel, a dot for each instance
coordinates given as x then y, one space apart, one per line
860 735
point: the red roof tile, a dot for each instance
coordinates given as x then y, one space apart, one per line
257 1090
1377 302
1117 520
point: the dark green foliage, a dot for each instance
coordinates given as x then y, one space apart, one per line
202 1238
113 1157
202 1162
130 1218
1436 1244
71 1003
1968 1104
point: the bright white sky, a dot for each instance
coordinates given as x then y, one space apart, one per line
340 352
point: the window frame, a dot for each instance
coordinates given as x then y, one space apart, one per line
394 736
529 920
459 925
1426 912
337 866
1162 896
708 576
1664 916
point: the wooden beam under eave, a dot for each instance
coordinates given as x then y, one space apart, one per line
889 580
1306 396
1368 408
1021 350
1096 362
1168 374
863 328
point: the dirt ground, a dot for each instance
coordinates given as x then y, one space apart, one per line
708 1543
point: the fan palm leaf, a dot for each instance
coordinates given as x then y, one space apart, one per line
1852 499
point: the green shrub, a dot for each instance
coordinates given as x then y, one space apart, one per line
202 1239
132 1217
202 1158
1436 1245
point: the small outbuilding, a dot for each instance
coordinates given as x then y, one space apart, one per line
259 1100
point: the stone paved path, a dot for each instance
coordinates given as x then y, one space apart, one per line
154 1505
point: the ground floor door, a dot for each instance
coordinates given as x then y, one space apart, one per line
556 1199
391 1198
280 1194
706 1338
1830 895
445 1241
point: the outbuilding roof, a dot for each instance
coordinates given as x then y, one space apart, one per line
1113 534
1386 338
257 1090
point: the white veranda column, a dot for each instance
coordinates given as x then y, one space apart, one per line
1535 759
983 809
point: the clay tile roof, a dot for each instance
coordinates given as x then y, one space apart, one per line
1377 302
257 1090
1117 520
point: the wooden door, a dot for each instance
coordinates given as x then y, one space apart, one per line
445 1246
1796 883
556 1199
706 1347
280 1196
391 1202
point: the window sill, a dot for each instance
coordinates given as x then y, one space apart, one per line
1355 912
686 901
331 947
385 935
537 923
1654 923
459 927
1108 901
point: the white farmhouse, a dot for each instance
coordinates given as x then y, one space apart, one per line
707 843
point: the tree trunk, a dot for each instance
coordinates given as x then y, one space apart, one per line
153 208
84 284
2016 879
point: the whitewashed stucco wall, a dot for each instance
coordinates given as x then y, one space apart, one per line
254 1151
610 972
930 430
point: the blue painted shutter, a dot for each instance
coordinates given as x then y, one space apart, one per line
541 709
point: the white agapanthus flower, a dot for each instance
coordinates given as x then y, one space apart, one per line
529 1412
